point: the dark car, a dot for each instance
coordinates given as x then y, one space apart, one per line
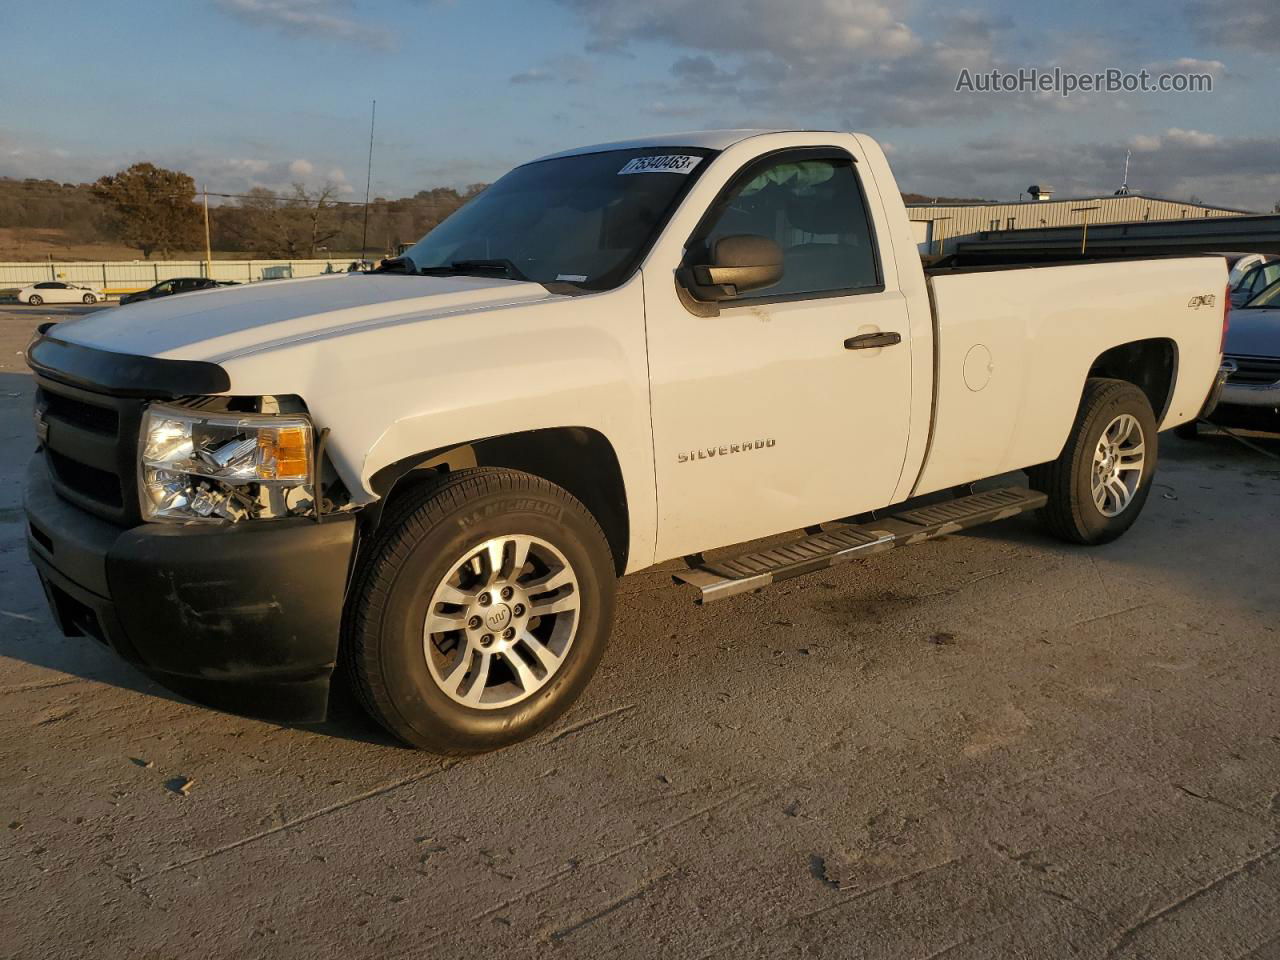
1250 395
167 288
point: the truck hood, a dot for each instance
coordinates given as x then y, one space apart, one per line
216 325
1254 332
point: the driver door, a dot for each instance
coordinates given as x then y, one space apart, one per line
764 419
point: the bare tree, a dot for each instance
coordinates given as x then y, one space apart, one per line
293 226
323 218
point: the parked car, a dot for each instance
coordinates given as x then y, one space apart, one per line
167 288
56 291
1241 263
613 357
1251 393
1254 279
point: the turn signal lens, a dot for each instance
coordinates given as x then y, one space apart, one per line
284 453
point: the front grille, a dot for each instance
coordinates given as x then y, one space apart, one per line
99 419
1255 370
91 448
87 481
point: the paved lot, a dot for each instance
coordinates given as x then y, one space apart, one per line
988 746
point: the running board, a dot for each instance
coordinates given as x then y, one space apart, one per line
717 579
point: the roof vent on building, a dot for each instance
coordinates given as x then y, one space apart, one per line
1037 192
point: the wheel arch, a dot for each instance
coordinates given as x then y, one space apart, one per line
1150 364
581 460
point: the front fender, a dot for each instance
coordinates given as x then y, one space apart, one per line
393 392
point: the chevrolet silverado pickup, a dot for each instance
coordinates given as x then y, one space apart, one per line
429 477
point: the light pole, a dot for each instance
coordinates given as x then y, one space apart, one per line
368 179
1084 230
208 249
939 238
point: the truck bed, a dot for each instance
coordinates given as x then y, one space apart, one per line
1012 340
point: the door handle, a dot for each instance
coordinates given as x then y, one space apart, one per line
869 341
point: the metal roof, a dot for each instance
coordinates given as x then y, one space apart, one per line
1106 196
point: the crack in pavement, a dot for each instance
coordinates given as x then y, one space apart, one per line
297 821
1127 936
843 902
588 722
552 879
616 904
42 685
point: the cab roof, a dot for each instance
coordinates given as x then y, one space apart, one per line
705 139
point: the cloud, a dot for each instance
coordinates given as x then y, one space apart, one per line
1248 24
751 26
532 75
328 19
26 156
1214 68
568 70
839 63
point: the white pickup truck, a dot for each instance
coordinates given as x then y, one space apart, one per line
613 357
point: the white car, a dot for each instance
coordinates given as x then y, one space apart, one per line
57 291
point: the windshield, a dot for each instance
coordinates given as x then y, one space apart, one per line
585 220
1269 297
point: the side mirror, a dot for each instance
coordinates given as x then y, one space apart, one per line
739 263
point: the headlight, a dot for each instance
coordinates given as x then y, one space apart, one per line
224 466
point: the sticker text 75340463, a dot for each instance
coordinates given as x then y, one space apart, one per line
660 164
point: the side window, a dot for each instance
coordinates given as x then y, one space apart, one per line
814 211
163 288
48 285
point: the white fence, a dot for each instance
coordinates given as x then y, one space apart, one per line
125 276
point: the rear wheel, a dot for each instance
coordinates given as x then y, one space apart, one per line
35 300
480 612
1100 481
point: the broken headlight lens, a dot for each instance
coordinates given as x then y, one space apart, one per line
224 466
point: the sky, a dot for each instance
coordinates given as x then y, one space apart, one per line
244 93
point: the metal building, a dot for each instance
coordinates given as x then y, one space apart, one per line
936 225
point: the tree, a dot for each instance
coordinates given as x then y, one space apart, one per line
323 218
151 208
290 227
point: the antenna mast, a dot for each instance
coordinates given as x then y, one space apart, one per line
368 179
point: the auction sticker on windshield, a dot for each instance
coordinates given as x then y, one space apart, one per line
663 164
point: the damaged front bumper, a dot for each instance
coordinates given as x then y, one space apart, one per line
244 618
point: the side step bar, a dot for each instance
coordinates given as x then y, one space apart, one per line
717 579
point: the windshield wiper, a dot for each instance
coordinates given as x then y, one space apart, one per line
496 265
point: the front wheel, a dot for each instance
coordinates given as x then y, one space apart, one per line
35 300
480 612
89 298
1100 481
